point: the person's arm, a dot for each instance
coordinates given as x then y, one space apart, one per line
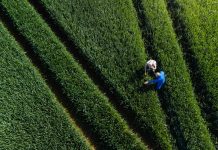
153 81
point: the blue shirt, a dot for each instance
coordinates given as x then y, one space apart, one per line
159 81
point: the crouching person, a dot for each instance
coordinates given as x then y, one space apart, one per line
159 80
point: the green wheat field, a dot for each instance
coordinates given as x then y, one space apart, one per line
72 74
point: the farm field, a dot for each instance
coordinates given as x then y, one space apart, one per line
199 40
29 110
72 74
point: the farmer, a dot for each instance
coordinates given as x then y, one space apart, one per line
159 81
150 65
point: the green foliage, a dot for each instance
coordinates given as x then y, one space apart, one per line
200 31
107 39
181 105
107 35
31 117
92 108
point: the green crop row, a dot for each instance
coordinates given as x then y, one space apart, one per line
107 34
31 117
200 31
181 104
95 113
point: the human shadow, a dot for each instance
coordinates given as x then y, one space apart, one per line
146 88
139 78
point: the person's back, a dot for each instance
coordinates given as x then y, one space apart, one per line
159 81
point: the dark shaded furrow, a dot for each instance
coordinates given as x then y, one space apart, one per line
147 35
45 73
94 74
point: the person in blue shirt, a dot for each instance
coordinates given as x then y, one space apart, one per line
159 80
